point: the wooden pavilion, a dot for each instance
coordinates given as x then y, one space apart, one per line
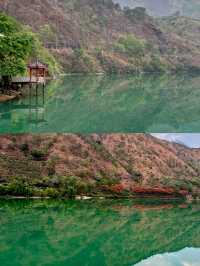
37 72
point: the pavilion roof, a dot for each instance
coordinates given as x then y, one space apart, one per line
37 65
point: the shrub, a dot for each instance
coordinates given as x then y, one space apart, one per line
135 175
51 192
107 181
79 52
51 165
70 186
156 65
24 147
131 46
38 154
83 61
3 190
19 187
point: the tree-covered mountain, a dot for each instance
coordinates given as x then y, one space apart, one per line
99 36
113 164
189 8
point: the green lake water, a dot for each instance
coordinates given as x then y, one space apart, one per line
98 233
108 104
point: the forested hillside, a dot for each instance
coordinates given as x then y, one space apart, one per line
98 36
113 164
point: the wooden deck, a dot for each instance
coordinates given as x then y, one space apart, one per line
26 80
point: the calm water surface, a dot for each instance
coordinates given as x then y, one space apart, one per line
98 233
99 104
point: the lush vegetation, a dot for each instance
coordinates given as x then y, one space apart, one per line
131 45
142 54
60 187
103 232
18 45
46 187
15 47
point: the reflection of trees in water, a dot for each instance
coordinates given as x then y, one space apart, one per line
25 112
125 103
143 103
84 233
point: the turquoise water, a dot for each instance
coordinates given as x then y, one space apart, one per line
98 233
102 104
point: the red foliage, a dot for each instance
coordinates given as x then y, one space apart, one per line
156 190
118 188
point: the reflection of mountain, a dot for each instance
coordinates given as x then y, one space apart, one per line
116 104
130 104
79 233
187 256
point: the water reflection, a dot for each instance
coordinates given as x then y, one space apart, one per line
93 233
102 104
185 257
35 106
19 115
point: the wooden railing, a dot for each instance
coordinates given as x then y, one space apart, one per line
26 80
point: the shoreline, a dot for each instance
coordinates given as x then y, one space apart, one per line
10 97
103 197
12 94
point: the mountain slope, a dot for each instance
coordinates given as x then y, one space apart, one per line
98 36
114 164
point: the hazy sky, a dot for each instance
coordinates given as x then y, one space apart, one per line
190 140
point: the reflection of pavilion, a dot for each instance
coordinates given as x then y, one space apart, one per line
37 71
36 106
31 108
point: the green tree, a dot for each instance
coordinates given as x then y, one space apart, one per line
46 34
131 45
16 46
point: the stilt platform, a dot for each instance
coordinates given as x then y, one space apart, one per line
27 80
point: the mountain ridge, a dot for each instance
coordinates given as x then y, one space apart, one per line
113 164
98 36
190 8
